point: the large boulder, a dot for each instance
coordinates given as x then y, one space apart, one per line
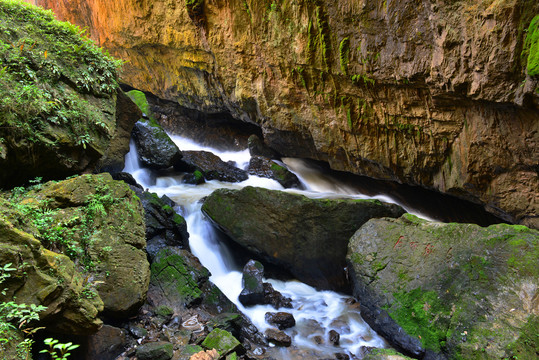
211 166
47 278
458 291
307 237
98 223
155 149
61 111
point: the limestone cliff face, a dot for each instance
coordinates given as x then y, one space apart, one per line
434 93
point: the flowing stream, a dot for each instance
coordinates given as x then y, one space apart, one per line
316 312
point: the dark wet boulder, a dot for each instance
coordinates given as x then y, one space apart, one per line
159 350
274 298
282 320
448 290
252 282
273 169
164 227
107 344
155 149
307 237
334 337
278 337
211 166
128 179
258 148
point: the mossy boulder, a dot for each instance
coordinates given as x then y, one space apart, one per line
458 290
47 278
58 98
307 237
177 278
97 222
222 341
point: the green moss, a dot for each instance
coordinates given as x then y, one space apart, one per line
139 98
531 47
418 313
311 40
323 36
527 345
344 54
164 311
222 341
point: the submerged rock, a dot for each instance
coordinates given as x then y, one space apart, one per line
307 237
453 288
211 166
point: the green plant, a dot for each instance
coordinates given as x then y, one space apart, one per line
58 350
15 317
344 54
531 47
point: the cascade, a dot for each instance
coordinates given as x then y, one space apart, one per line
316 312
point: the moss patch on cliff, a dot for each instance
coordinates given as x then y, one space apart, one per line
43 62
531 47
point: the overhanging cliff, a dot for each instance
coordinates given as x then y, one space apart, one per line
442 94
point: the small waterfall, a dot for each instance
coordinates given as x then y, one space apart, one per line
316 312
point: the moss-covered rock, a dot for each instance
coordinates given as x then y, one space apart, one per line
307 237
57 97
211 166
50 279
177 277
222 341
457 289
273 169
97 222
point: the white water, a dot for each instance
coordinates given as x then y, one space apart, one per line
316 312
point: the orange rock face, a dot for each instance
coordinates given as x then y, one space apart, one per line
435 95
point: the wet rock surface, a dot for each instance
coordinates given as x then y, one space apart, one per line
272 169
154 147
252 281
280 319
307 237
451 287
277 337
211 166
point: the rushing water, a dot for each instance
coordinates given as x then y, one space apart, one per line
316 312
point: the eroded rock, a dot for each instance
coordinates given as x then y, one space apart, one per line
211 166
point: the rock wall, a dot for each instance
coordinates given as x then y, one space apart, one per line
434 93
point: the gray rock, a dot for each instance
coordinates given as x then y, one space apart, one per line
307 237
253 288
211 166
282 320
155 149
159 350
278 337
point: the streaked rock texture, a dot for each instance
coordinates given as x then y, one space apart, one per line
435 93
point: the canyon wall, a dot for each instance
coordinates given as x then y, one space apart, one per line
437 93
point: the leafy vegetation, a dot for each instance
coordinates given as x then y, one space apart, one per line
16 317
51 75
58 350
344 54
